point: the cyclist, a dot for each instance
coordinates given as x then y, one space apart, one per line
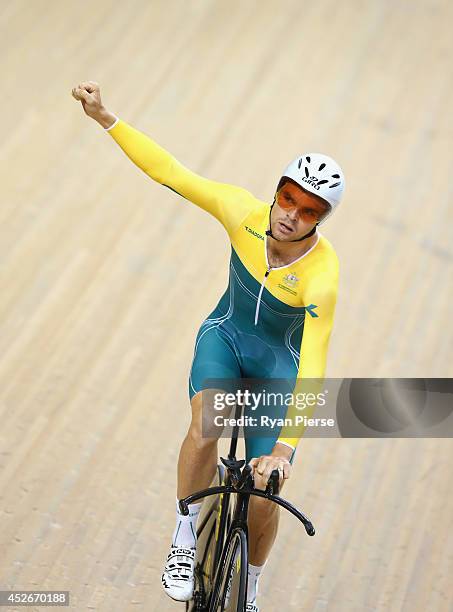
273 321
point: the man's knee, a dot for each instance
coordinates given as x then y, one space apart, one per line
197 438
196 431
204 430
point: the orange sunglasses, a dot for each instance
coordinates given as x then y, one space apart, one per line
311 211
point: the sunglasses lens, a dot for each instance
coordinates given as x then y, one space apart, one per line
305 213
285 204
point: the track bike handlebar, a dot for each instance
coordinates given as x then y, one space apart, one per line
241 482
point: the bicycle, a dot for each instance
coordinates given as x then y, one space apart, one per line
221 559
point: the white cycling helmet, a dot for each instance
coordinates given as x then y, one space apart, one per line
320 175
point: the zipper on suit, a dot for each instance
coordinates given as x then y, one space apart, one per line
260 294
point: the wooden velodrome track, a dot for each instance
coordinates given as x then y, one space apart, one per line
106 276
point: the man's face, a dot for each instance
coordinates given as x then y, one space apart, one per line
296 212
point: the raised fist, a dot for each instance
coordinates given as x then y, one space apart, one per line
89 94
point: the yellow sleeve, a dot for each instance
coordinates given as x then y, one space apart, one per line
228 203
320 303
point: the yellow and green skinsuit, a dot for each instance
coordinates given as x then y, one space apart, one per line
270 322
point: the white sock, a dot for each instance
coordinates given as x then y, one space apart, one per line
254 572
185 533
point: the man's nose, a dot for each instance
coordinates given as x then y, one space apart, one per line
293 214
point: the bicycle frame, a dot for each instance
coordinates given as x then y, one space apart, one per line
238 484
238 480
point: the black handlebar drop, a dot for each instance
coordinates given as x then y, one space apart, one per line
242 482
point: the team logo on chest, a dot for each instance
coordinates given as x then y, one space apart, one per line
290 280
